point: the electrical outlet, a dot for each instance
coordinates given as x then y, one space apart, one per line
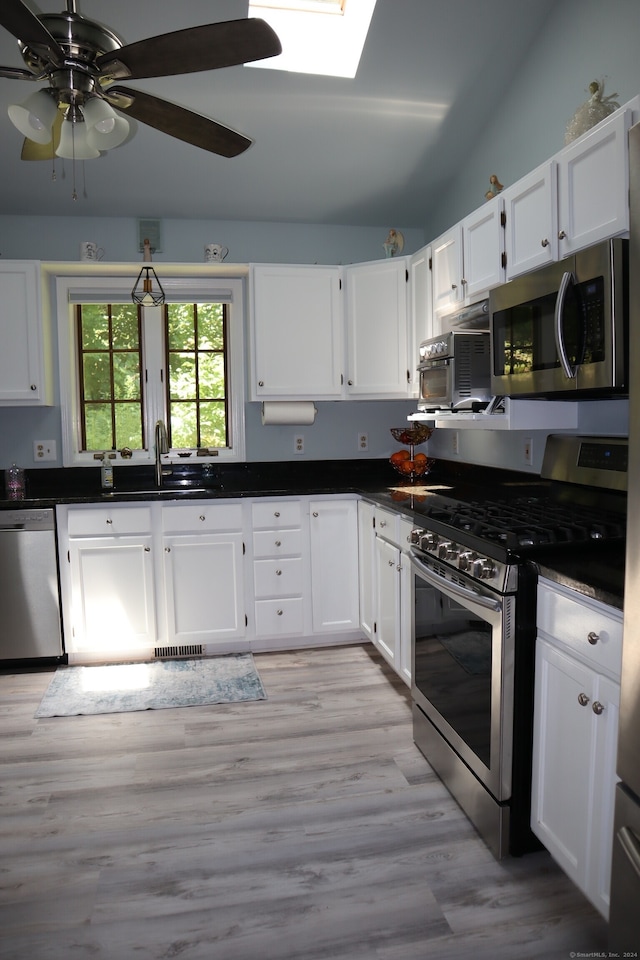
44 450
454 442
298 443
527 451
363 442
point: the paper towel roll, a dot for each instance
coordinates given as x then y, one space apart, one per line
288 411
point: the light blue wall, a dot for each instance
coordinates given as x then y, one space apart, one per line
581 41
334 433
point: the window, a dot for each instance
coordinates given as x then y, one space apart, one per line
323 37
123 367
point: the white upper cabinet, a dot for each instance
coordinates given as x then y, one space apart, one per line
531 221
467 259
593 185
446 257
482 245
578 198
420 312
377 329
297 342
24 374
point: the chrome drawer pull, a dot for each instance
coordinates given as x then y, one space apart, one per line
597 708
593 638
279 613
278 543
583 699
278 573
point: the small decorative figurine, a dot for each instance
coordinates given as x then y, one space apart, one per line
593 111
494 187
394 243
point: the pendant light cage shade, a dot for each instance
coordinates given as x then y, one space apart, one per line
105 128
143 291
34 117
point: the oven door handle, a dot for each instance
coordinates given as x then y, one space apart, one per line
489 603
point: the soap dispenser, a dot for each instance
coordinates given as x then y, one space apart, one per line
106 473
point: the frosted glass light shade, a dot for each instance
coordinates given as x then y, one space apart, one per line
105 129
74 142
34 118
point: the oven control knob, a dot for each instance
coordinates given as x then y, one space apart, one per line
465 559
447 550
416 533
483 569
428 540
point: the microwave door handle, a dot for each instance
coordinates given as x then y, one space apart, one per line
567 279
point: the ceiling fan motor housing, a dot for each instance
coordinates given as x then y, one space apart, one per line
82 42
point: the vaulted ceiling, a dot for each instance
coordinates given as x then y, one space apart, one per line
377 149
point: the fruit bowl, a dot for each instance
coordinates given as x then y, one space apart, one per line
412 436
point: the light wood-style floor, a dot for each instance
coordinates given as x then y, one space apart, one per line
304 827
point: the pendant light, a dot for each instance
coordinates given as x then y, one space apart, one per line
143 290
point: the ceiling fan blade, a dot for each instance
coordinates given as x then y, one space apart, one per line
25 26
207 47
178 122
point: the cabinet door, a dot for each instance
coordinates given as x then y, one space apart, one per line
482 242
421 327
387 626
446 255
22 370
531 231
366 548
112 596
296 332
561 794
377 329
333 531
593 185
204 587
604 718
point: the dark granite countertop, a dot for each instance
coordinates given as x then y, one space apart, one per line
598 574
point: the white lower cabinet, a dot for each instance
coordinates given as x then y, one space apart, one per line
386 585
177 575
333 545
578 659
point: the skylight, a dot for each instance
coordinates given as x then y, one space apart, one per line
318 36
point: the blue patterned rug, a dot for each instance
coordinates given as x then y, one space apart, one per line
157 685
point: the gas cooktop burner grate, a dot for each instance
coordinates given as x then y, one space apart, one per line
529 522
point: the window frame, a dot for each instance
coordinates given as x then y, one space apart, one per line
70 290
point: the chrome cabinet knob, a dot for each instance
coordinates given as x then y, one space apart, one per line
202 516
278 573
383 523
167 549
454 286
147 549
562 235
278 543
583 699
544 242
597 707
261 383
109 521
593 638
315 513
33 386
350 382
279 613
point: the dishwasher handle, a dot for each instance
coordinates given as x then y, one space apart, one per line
8 527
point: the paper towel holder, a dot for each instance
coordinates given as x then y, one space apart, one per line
288 412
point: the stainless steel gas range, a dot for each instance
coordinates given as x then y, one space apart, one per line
474 567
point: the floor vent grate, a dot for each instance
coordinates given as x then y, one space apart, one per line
185 650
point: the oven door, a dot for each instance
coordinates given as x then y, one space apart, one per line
436 382
463 668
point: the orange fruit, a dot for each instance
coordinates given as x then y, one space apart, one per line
420 457
406 466
399 456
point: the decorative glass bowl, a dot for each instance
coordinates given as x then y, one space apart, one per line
407 463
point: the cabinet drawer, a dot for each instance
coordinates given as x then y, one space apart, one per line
275 513
187 518
275 617
387 525
277 543
572 619
109 521
278 578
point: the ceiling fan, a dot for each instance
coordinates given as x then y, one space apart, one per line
82 111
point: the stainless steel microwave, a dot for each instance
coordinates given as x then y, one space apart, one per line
563 330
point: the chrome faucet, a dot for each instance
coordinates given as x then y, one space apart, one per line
162 446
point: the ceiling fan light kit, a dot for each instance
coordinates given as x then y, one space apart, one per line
80 60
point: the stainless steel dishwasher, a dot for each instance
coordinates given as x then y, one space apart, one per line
30 598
